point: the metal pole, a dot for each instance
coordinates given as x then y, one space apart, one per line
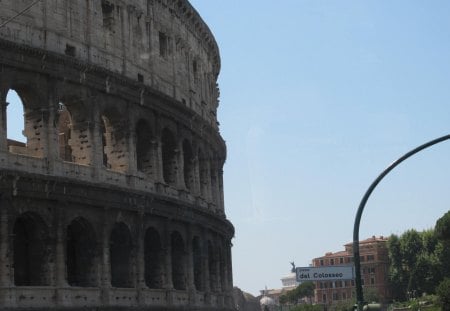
359 291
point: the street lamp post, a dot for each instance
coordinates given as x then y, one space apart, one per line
359 291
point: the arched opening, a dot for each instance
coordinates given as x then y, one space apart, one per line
197 261
15 122
114 142
64 133
31 255
24 125
188 165
144 152
154 259
81 254
169 157
120 248
212 267
178 261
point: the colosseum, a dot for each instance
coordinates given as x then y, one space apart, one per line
114 200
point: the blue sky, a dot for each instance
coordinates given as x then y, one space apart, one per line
317 98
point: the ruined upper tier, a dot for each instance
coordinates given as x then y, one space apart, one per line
163 44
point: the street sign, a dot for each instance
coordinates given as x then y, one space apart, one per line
328 273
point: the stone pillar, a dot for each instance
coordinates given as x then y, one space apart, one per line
221 194
52 128
168 256
190 261
96 140
197 185
180 165
132 157
5 259
208 192
3 132
106 264
140 260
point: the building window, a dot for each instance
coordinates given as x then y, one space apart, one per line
341 260
324 297
370 257
335 296
372 270
332 262
321 262
353 282
372 280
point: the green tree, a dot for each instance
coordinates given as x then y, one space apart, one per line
443 292
442 227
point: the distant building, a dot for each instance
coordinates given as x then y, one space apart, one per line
289 281
374 272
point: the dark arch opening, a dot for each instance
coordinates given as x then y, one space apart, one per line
31 251
81 254
188 165
120 248
178 261
169 157
197 261
154 259
64 133
144 155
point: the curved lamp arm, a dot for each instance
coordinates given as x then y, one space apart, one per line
359 292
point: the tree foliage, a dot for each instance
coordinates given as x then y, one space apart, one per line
419 260
443 292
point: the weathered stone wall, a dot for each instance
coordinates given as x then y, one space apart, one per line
159 43
115 199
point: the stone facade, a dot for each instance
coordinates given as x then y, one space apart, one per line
115 200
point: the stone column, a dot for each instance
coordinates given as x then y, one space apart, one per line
197 185
221 194
140 261
6 277
190 260
168 256
132 158
106 264
52 128
180 165
208 192
95 139
3 132
5 259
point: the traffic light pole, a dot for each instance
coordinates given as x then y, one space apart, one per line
358 283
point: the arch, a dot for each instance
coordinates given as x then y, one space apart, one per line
73 127
197 264
114 142
178 261
27 139
81 254
144 152
64 133
120 249
169 158
154 259
31 255
188 170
